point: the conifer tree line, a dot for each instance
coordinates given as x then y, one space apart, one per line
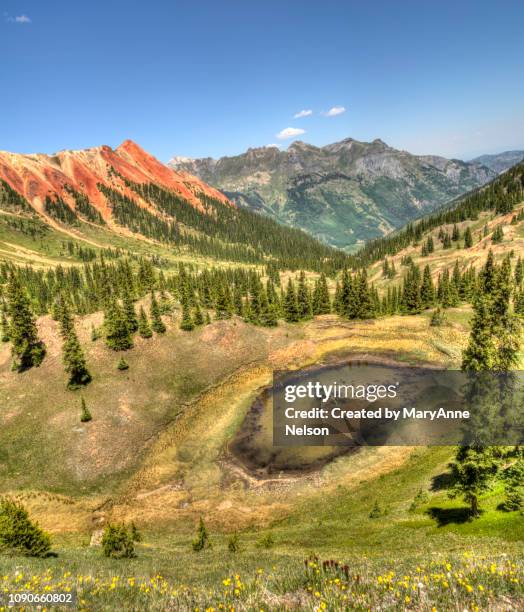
499 196
220 231
115 286
224 232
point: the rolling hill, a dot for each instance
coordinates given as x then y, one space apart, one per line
344 193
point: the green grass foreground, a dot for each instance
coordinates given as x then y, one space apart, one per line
266 580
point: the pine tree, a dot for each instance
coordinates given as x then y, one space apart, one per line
27 349
290 303
268 317
305 310
223 305
498 235
85 415
363 303
238 304
118 336
472 473
488 275
20 535
480 353
411 301
129 311
321 301
157 325
519 272
427 290
144 329
122 364
198 317
468 238
4 327
186 323
202 537
455 236
72 354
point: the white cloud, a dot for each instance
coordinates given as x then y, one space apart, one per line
333 112
290 132
18 19
303 113
274 144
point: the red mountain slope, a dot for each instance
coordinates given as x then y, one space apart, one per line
37 176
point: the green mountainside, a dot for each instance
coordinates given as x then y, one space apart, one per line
343 193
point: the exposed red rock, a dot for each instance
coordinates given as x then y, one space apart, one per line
37 176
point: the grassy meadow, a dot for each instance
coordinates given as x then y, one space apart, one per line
157 453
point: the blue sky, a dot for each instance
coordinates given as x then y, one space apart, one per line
216 77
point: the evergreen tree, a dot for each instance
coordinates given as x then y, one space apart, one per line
144 329
480 353
488 276
118 336
198 317
519 272
186 323
290 304
26 347
18 534
304 307
223 305
455 236
321 301
411 300
129 311
498 235
85 415
363 303
268 316
238 304
157 325
472 474
122 364
468 238
202 537
118 542
427 290
4 327
74 361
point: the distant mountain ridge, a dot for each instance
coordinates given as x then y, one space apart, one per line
499 162
343 193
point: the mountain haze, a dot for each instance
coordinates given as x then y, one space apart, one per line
500 162
344 193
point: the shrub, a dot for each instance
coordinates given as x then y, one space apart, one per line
135 534
18 534
266 541
117 542
377 511
420 499
438 318
96 333
233 543
202 538
122 364
85 417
